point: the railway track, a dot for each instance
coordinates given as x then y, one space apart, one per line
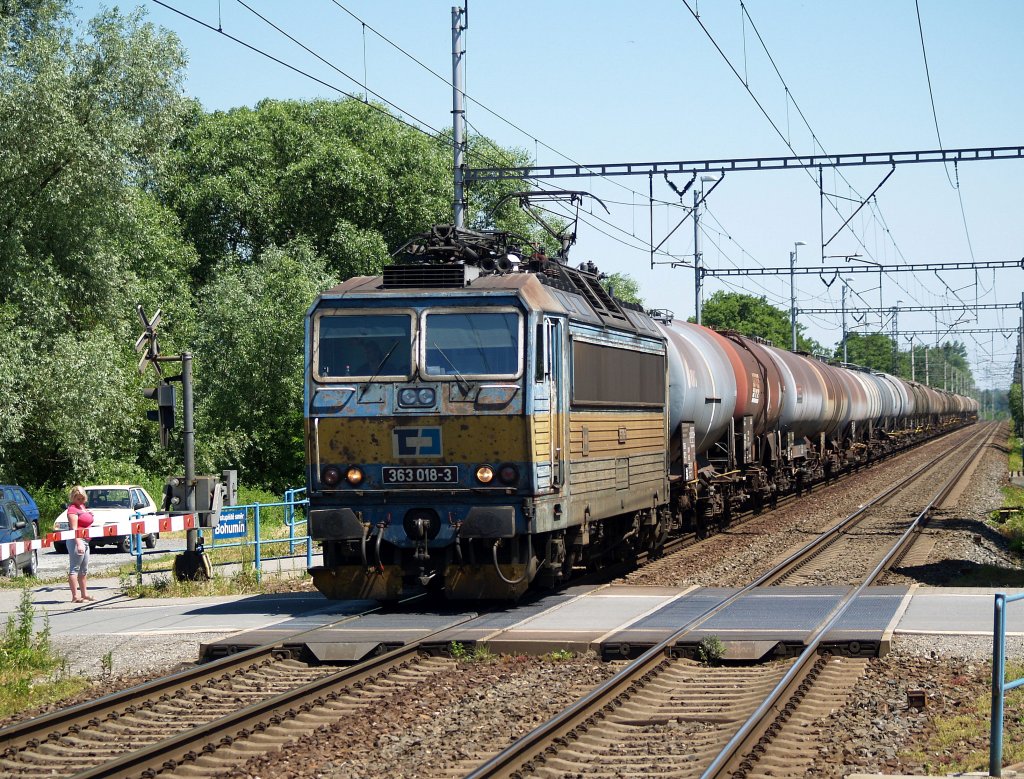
668 714
208 719
846 552
96 737
688 540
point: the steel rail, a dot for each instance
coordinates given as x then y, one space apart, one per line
179 748
46 726
785 567
537 741
728 753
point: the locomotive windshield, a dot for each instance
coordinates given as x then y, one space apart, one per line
365 345
472 344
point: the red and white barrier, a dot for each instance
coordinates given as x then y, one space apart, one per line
152 523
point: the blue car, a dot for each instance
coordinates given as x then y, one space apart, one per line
20 496
15 526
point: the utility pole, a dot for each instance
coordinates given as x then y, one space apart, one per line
1022 363
696 256
460 21
927 369
845 357
913 367
895 336
792 289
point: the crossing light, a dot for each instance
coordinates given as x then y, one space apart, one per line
163 394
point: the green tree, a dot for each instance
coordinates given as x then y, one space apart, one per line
249 364
869 351
87 113
624 287
1016 411
754 316
344 176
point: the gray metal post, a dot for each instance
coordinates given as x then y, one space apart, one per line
792 295
696 258
1022 361
191 536
995 754
458 115
845 357
913 365
927 369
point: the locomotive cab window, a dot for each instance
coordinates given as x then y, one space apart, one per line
481 344
363 346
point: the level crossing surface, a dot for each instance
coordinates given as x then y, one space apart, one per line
613 620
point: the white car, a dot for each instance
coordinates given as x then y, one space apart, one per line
110 504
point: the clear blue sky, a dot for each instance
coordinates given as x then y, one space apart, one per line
605 81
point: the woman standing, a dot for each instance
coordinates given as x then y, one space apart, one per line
78 550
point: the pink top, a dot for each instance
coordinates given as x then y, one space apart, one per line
83 514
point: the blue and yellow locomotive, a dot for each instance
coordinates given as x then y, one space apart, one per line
479 419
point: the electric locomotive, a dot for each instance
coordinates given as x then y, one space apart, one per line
478 419
481 419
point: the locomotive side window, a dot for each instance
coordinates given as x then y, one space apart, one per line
474 343
608 375
364 345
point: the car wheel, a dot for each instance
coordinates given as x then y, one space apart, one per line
9 568
92 546
60 547
124 544
32 569
151 541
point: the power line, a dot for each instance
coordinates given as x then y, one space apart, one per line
491 111
437 133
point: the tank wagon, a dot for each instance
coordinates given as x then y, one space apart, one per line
480 420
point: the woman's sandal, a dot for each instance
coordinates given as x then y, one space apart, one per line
88 598
78 600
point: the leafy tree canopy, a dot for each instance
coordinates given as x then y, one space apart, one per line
754 316
624 287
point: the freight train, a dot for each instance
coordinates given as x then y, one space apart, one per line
480 420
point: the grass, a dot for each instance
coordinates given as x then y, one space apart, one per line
31 672
1015 459
960 742
478 653
242 583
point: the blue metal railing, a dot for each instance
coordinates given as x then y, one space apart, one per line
254 511
290 496
999 684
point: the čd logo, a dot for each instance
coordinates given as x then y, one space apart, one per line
417 441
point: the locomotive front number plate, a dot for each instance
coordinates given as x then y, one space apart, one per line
424 474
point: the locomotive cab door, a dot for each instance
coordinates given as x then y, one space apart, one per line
550 389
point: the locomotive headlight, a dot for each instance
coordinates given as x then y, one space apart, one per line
426 397
407 397
508 474
484 474
330 475
354 476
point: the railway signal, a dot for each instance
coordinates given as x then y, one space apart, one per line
163 394
193 563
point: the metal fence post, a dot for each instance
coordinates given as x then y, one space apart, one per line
289 518
995 756
256 519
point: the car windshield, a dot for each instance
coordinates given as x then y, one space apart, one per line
472 344
108 499
365 345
